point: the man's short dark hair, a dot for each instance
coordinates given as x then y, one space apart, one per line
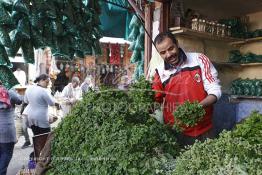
161 36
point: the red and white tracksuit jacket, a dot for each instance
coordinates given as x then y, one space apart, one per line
193 80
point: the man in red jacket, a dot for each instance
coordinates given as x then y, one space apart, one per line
185 76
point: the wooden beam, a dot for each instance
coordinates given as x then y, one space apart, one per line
164 16
137 9
148 36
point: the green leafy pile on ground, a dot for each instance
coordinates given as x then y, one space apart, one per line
235 152
109 133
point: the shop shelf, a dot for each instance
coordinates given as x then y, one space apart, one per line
236 64
203 35
238 98
245 41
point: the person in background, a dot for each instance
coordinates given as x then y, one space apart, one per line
25 125
185 76
87 84
71 94
20 76
38 99
8 100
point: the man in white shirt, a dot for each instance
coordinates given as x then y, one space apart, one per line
71 94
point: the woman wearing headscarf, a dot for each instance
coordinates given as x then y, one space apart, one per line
8 100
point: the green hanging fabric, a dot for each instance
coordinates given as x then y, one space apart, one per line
28 51
7 77
4 37
4 60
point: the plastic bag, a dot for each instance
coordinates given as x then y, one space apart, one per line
69 27
62 47
37 39
28 51
47 34
97 48
4 60
7 77
88 50
79 54
59 4
7 4
51 10
133 34
136 56
24 28
132 46
140 42
77 4
134 22
16 16
16 40
69 12
4 16
4 37
57 28
21 6
235 56
36 22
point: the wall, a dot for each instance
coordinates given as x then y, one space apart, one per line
255 22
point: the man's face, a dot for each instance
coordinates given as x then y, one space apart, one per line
168 51
74 84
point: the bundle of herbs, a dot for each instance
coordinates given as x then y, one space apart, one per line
188 114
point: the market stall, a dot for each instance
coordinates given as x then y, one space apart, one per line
117 128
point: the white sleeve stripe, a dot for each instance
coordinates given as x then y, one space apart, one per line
208 74
208 67
204 68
